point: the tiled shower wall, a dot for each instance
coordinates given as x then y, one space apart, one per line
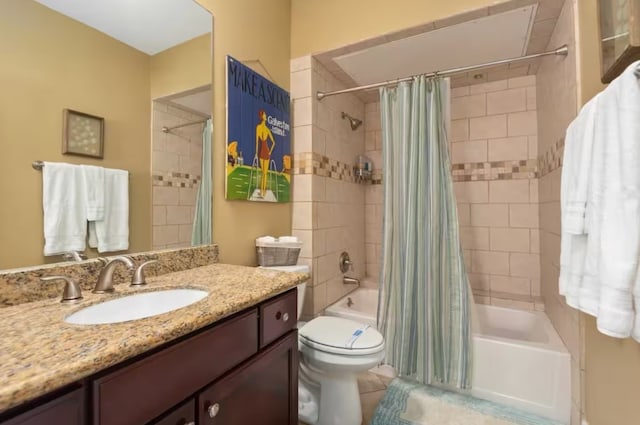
494 161
176 168
328 206
557 107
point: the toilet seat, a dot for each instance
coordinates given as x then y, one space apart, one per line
340 336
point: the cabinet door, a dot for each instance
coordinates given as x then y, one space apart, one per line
65 410
263 391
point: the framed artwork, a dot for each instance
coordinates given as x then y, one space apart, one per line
619 22
82 134
258 162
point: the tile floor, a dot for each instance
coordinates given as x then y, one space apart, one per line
372 387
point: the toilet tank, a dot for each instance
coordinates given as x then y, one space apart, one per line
300 268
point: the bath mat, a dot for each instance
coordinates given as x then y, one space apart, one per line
408 403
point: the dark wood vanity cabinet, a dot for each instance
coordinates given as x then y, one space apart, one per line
240 371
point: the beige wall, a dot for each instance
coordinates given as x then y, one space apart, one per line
183 67
557 107
313 21
612 371
328 207
50 62
247 30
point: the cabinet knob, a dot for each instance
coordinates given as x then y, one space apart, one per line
213 410
285 317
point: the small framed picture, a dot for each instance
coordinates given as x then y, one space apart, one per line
82 134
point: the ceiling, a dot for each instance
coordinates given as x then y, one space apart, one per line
477 41
150 26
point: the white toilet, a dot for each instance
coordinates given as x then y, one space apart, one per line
333 351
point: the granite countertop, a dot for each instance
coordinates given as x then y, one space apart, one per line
40 352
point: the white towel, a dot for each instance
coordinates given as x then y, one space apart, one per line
620 216
112 233
63 201
94 186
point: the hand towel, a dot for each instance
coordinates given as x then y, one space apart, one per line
63 201
94 186
620 216
112 233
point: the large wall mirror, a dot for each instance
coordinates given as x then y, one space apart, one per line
145 67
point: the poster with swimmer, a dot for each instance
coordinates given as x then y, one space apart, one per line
258 165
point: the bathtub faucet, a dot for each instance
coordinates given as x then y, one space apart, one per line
350 280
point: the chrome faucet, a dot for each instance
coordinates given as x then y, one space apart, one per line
105 279
350 280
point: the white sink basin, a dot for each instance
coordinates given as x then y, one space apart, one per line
138 306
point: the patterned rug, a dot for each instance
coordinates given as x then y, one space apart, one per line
408 403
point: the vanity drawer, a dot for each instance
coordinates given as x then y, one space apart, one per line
65 410
185 414
141 391
278 316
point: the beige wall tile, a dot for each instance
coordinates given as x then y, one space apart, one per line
474 237
464 214
492 215
535 241
488 87
472 192
298 64
505 101
179 214
302 188
522 124
512 285
164 195
302 216
300 84
509 191
489 127
527 81
489 262
302 111
474 151
524 215
531 99
511 148
460 91
459 130
188 196
509 303
480 281
510 240
468 106
525 265
307 239
166 235
159 215
302 141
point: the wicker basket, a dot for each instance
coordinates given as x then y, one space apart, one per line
277 254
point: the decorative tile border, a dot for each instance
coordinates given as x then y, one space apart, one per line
319 165
18 286
172 179
496 170
551 160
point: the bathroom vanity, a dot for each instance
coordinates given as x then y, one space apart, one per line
240 369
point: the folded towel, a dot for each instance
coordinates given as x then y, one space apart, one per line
112 233
63 202
94 186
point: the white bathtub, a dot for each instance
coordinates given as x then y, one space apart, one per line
518 359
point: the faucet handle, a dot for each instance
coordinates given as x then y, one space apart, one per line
138 276
103 260
71 293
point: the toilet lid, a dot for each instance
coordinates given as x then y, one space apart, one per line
341 336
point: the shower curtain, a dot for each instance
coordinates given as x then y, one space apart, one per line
424 305
201 234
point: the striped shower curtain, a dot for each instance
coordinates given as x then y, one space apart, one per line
201 232
424 306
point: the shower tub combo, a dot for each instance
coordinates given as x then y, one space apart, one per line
519 360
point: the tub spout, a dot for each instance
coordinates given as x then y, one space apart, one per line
350 281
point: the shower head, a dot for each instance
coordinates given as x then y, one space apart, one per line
354 122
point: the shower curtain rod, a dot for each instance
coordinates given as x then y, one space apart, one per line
168 129
560 51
